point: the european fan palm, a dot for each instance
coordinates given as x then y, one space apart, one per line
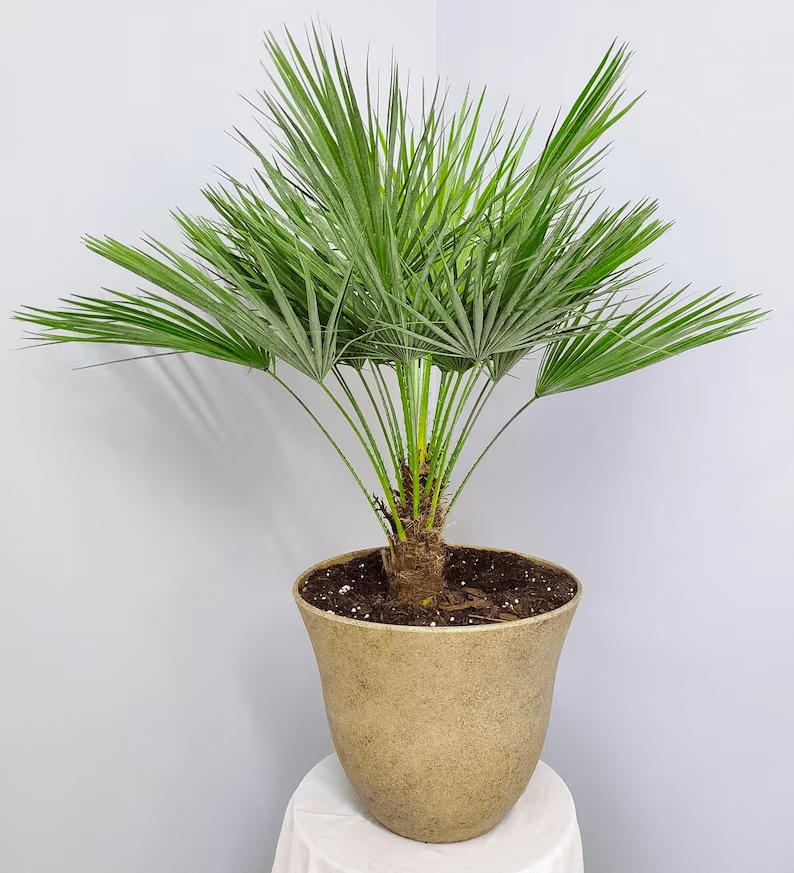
407 268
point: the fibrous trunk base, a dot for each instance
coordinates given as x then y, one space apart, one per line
414 561
415 566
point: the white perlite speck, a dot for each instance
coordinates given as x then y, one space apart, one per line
344 589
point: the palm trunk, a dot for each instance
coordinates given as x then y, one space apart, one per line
415 565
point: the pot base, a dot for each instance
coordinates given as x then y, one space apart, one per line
541 827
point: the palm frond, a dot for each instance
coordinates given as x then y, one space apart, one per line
612 343
370 242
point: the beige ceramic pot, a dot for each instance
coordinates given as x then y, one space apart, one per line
438 729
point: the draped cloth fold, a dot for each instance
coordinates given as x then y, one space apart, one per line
326 830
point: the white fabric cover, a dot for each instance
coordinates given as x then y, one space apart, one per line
325 830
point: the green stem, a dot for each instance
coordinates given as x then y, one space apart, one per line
376 455
471 420
426 364
388 435
485 450
459 405
407 381
405 406
415 418
446 379
439 433
377 465
341 454
391 414
442 475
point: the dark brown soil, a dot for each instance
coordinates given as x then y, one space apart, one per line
480 587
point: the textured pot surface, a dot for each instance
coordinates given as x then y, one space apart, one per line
438 729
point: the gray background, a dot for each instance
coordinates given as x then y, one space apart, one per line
158 693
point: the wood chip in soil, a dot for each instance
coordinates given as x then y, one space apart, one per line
480 587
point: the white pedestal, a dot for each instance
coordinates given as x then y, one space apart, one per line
326 830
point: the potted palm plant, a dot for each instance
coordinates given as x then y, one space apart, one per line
407 268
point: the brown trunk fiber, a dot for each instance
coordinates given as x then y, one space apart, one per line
415 565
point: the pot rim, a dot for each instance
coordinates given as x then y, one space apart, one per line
496 626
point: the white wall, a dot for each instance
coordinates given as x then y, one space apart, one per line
160 700
159 697
669 492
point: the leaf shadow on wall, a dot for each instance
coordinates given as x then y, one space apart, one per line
246 457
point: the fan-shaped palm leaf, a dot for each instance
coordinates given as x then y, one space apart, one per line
399 250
